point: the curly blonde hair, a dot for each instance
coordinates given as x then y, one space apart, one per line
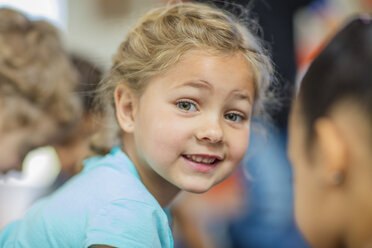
163 35
36 76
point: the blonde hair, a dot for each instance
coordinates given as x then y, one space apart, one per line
36 76
164 34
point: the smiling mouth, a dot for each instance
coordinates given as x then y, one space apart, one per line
203 159
202 163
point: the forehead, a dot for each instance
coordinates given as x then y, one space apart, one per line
218 69
205 59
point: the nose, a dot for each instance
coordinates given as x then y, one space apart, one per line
210 131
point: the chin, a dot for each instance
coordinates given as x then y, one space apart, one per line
195 191
195 188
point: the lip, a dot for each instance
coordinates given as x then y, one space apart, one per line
202 167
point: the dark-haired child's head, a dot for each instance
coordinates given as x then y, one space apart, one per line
331 141
74 146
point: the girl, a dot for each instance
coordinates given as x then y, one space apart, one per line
331 141
184 86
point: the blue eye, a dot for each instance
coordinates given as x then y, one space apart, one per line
233 117
186 106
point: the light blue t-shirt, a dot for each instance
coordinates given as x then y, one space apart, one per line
105 204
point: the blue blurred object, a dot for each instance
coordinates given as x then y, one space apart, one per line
269 220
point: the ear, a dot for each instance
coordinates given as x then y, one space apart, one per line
126 103
333 151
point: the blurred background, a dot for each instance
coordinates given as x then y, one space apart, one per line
253 208
96 27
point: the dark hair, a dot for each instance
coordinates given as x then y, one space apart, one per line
342 70
89 76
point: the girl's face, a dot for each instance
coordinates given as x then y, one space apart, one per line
191 125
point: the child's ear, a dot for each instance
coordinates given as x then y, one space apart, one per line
125 103
333 151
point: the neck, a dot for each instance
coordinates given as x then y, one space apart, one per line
162 190
164 193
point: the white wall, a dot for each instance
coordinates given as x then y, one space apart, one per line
97 35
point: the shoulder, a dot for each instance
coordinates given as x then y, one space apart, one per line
126 213
128 223
100 246
115 174
7 234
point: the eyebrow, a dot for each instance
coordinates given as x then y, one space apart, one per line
241 96
200 84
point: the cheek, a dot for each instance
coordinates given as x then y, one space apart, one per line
301 178
304 201
238 144
163 138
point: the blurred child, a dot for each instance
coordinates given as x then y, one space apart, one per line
37 108
36 81
46 168
75 146
331 140
184 86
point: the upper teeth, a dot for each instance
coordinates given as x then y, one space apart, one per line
201 159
